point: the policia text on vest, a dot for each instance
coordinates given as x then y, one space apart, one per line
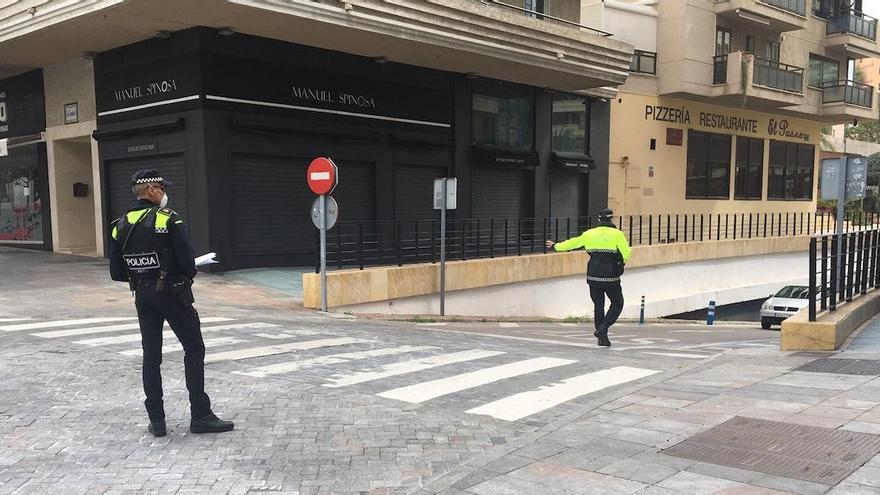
150 250
609 252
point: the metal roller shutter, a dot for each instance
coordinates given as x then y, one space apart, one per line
414 191
501 193
271 202
119 174
568 194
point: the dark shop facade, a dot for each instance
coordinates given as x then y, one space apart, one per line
24 188
235 120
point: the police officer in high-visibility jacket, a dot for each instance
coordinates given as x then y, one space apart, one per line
609 252
150 251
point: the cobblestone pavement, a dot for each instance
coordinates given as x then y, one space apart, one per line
342 406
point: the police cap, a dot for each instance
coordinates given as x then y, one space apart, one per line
149 176
606 213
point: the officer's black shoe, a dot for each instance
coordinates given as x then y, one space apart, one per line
604 342
157 428
210 424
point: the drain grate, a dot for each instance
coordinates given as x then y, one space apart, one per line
810 453
843 366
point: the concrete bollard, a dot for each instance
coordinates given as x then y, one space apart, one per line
710 315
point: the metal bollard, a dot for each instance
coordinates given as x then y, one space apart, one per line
710 315
642 312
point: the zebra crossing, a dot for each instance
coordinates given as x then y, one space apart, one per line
409 374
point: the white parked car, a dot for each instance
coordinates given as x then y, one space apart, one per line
786 302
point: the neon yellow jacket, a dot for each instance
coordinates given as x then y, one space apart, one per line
608 250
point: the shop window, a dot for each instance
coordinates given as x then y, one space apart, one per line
503 117
20 205
749 168
569 123
791 171
823 71
708 166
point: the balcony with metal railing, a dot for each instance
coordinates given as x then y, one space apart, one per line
848 99
768 83
853 33
776 75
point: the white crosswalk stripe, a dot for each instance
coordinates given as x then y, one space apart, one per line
525 404
109 328
271 350
505 324
291 366
680 355
424 391
8 320
176 347
136 337
60 323
408 367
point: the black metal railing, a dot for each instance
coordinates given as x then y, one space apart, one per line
841 268
398 242
773 74
853 22
547 17
848 92
719 72
798 7
643 62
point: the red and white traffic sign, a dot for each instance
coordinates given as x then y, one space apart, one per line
322 176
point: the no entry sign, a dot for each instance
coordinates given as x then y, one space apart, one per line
322 176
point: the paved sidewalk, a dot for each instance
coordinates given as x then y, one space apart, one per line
619 447
352 407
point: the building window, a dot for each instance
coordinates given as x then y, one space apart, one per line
643 62
773 49
722 41
503 117
708 166
823 71
570 124
21 217
749 168
750 43
791 171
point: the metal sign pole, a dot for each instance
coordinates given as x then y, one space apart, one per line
443 252
841 205
323 223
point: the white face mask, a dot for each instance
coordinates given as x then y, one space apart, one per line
164 202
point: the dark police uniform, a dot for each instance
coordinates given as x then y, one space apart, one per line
151 251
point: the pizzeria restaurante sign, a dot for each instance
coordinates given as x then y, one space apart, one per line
721 121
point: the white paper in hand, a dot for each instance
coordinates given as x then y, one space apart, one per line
206 259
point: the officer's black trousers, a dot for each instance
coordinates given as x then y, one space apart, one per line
154 309
598 292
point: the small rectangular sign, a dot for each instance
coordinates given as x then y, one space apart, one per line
71 113
320 176
451 196
4 147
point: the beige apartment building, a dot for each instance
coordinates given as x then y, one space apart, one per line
723 108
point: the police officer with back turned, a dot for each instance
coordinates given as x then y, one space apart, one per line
150 251
608 252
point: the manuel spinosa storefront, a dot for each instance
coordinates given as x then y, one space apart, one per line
234 121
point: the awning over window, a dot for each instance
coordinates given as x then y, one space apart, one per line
576 162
